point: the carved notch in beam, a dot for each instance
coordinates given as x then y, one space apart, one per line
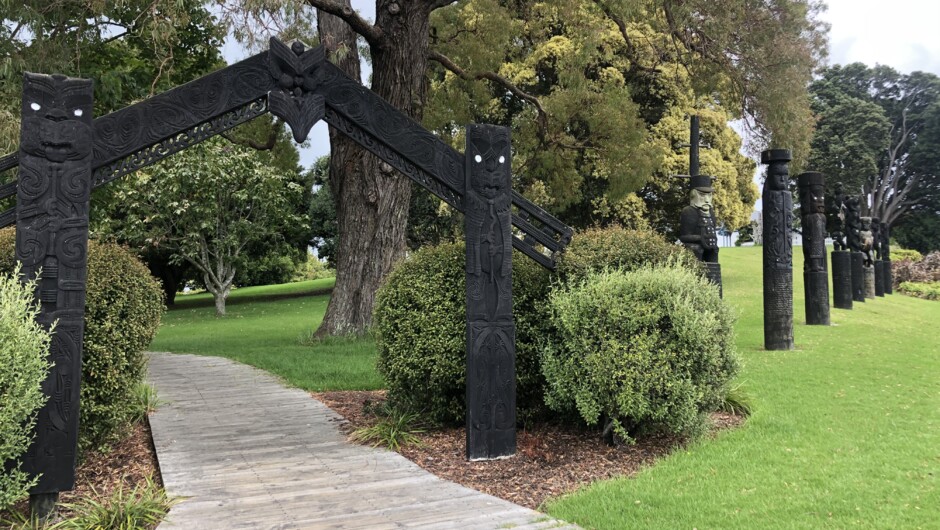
295 69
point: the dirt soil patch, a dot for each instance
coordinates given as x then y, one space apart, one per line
551 460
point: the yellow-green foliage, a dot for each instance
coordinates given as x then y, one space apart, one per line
647 349
24 345
930 291
419 325
901 254
122 312
597 249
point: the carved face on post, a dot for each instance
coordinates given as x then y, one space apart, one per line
778 177
489 157
701 200
57 112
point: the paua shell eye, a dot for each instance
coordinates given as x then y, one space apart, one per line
502 160
78 113
478 158
35 106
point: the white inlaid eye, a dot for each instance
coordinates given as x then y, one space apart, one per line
478 158
78 112
34 106
502 160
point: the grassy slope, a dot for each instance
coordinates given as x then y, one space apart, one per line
845 433
264 329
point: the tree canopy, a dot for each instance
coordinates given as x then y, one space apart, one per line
879 134
207 205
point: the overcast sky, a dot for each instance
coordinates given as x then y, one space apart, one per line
903 34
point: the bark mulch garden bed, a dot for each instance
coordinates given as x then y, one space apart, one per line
127 464
551 460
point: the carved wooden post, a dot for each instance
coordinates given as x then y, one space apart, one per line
853 236
778 252
868 262
885 234
52 236
815 274
841 258
491 334
878 254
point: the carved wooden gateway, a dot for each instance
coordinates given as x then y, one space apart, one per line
64 154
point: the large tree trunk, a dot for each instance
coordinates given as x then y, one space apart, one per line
371 197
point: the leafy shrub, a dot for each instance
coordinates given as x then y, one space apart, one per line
598 249
901 254
929 291
141 508
395 429
924 271
312 269
647 349
123 306
420 328
24 345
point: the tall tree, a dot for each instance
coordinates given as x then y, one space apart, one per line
880 136
766 48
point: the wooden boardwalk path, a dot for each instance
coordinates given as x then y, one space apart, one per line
244 452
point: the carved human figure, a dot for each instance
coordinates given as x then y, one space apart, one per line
777 252
697 221
867 240
53 194
853 224
491 399
813 216
835 217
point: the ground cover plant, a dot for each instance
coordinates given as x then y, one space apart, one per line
844 429
269 327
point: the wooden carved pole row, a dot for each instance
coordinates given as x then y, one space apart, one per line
491 334
52 243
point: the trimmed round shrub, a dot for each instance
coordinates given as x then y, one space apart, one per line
123 306
599 249
902 254
419 325
646 350
24 345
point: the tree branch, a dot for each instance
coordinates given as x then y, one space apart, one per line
373 34
250 142
437 4
447 63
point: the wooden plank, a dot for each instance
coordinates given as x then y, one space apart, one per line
245 452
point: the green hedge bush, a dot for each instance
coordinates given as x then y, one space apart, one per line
24 345
419 325
122 312
901 254
598 249
651 349
929 291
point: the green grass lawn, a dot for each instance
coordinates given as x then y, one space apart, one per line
269 327
845 432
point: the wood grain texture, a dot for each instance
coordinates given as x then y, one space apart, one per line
245 452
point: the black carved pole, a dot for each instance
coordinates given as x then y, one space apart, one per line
52 236
693 146
868 243
815 274
853 236
879 255
885 235
491 334
778 252
697 229
841 257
